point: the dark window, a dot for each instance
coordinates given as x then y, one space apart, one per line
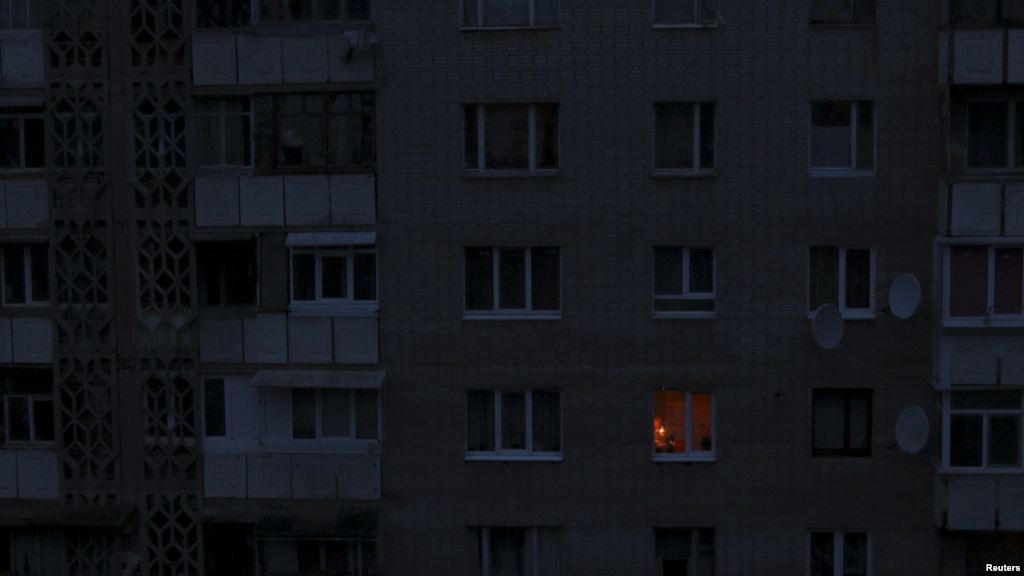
975 12
26 405
676 12
223 13
516 408
325 130
854 560
304 413
843 135
215 407
320 10
842 422
509 13
367 410
528 279
334 275
227 273
335 413
840 276
1009 281
25 274
987 135
843 11
685 551
500 137
684 136
223 131
684 279
979 417
21 138
968 281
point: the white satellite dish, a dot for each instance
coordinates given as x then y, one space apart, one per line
912 429
904 296
827 326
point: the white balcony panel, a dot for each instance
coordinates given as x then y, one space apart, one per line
972 361
305 58
1013 363
359 476
22 60
224 476
259 59
6 345
269 476
309 340
28 204
313 477
1011 503
266 339
214 60
220 340
37 475
1015 63
355 340
8 475
307 200
353 199
348 65
33 340
979 56
261 200
976 209
971 504
1014 211
217 201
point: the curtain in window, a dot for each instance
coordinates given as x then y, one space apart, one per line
508 551
506 135
824 278
702 422
822 553
513 420
673 135
968 281
480 421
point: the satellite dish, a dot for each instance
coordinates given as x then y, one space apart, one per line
912 429
904 296
827 326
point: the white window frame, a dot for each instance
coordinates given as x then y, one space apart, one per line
29 6
697 107
499 313
1011 139
532 543
838 562
690 455
20 117
29 301
698 22
851 170
848 313
527 453
222 118
990 318
30 398
352 424
947 419
692 563
481 17
348 306
687 294
533 148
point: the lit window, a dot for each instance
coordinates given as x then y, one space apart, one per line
325 130
984 429
26 274
334 413
28 409
509 13
683 425
512 137
223 132
843 11
841 422
21 138
226 273
513 281
968 273
683 551
513 423
844 277
21 14
318 10
839 554
334 275
843 136
515 551
684 280
684 136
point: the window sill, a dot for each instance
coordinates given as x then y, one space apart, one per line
498 174
684 26
488 457
202 171
540 28
669 173
848 315
512 316
684 459
685 315
344 310
839 173
840 455
982 322
981 471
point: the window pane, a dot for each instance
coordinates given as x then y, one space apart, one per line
314 133
702 271
674 12
707 136
513 420
829 420
506 136
367 414
855 554
995 400
860 420
508 552
236 140
831 10
965 440
824 276
830 134
547 136
1004 440
865 134
547 422
669 421
214 408
986 135
308 556
208 140
668 271
479 279
365 270
1009 280
548 551
40 273
10 143
18 419
334 413
822 552
512 278
545 279
303 413
471 126
334 276
300 9
35 153
14 274
1012 11
42 413
673 136
337 557
968 281
480 421
858 278
506 12
303 277
672 543
291 139
703 417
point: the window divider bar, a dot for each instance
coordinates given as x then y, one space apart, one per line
528 275
481 119
532 128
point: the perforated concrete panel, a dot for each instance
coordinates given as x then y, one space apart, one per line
307 200
976 209
217 201
213 59
220 340
309 340
27 203
32 340
305 59
266 339
355 340
224 475
978 56
353 199
262 200
259 59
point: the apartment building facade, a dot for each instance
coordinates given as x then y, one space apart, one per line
494 288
